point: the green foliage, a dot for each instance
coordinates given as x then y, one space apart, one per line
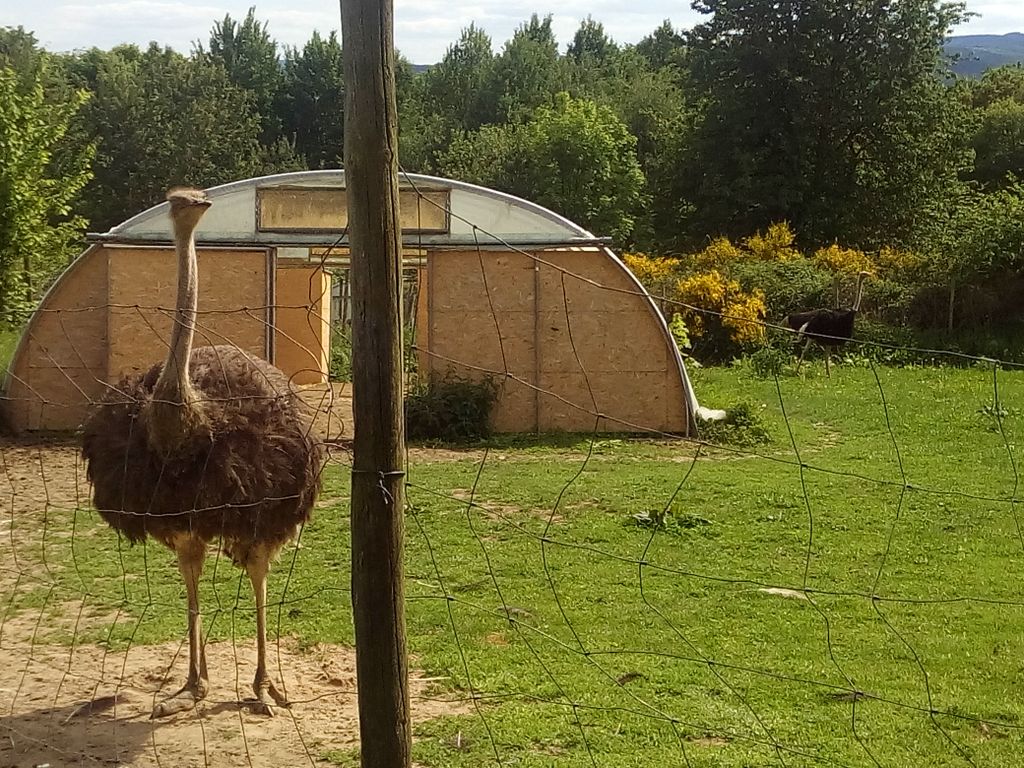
312 103
669 521
797 127
9 336
39 231
995 416
456 87
527 72
999 142
664 47
680 333
450 409
249 56
339 365
770 362
591 47
742 426
574 157
788 286
161 119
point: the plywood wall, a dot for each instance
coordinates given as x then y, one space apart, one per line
61 365
110 314
142 290
302 322
570 339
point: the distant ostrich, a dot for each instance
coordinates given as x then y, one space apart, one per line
827 327
209 445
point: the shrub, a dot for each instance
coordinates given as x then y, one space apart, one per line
339 365
788 286
450 409
725 315
742 426
769 362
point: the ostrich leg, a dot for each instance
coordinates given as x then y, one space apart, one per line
806 346
257 566
191 553
828 373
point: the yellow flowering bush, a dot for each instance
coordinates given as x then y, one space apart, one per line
656 273
720 303
650 270
720 253
744 315
843 261
774 245
897 262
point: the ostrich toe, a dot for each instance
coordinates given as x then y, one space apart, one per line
185 699
261 687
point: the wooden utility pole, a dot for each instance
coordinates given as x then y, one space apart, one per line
378 477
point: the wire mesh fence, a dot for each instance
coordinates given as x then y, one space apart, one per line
845 594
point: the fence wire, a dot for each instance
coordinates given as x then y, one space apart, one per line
602 600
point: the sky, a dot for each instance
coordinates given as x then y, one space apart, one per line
423 28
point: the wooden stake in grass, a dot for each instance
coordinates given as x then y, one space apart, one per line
378 479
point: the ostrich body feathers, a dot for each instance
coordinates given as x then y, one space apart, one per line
249 474
828 327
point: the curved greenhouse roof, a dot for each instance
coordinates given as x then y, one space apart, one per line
309 208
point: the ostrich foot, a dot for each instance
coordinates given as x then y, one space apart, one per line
261 687
187 698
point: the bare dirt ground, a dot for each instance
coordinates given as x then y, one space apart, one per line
84 706
69 706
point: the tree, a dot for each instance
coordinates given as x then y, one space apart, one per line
574 157
664 47
37 227
456 87
250 58
831 114
528 72
999 143
312 107
591 46
161 119
997 84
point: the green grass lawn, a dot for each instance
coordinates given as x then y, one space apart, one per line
591 638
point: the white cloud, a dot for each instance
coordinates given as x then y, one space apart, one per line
423 28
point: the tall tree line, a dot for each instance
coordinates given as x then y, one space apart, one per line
840 117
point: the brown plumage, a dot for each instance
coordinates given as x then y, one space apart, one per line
208 446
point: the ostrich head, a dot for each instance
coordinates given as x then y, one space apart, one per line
187 207
175 415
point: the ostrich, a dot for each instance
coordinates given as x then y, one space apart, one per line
210 445
827 327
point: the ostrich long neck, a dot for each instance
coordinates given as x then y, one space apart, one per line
860 293
174 410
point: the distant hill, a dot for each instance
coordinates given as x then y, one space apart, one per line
980 52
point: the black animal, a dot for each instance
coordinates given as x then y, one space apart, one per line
210 445
829 328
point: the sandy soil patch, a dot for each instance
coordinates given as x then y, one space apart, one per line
84 706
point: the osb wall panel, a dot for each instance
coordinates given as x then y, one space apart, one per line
232 304
62 364
473 338
466 279
586 339
632 401
292 209
604 342
302 323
